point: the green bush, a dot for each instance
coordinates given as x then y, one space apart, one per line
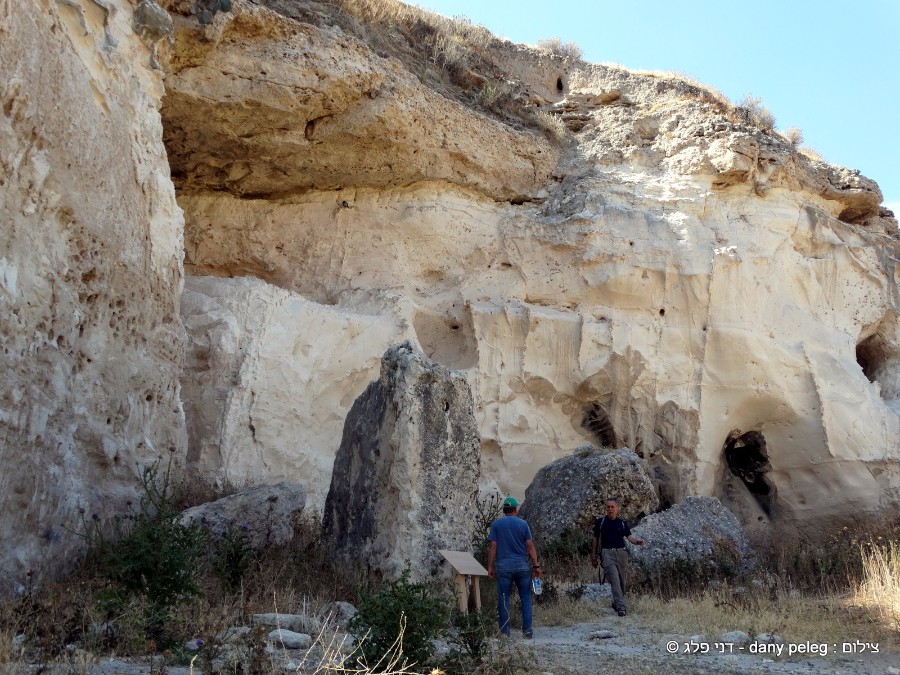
152 554
470 641
233 557
397 623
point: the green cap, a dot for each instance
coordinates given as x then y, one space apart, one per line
510 501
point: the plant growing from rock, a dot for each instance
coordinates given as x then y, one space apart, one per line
557 47
751 110
396 624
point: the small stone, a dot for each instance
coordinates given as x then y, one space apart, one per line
234 633
602 635
18 640
289 639
193 645
736 637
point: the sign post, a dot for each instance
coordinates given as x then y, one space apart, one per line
467 570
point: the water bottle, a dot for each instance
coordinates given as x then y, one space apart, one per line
536 585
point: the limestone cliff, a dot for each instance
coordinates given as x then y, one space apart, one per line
90 277
668 276
608 257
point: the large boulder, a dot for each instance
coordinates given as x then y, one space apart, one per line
405 479
698 534
567 495
267 513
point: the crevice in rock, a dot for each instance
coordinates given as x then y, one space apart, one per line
597 421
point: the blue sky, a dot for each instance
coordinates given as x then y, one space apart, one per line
830 67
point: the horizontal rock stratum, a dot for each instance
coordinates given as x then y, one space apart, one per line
607 257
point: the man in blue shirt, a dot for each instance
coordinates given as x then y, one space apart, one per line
611 532
511 548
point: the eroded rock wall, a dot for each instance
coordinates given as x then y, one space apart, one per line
405 480
669 279
90 274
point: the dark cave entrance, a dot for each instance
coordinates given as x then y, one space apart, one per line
871 353
748 459
596 420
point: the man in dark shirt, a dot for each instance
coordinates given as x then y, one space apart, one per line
610 532
512 559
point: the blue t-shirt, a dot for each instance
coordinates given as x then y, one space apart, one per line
611 533
510 533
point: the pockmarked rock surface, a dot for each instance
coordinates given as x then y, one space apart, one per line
677 279
697 530
405 480
90 275
266 515
569 494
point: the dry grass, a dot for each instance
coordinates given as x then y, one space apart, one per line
794 136
879 591
751 110
810 153
827 618
556 47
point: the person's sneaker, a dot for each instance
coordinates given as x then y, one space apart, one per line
528 636
621 612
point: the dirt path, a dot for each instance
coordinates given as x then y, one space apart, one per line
633 649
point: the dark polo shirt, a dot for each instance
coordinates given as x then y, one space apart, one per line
611 533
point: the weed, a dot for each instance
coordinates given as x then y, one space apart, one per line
794 136
232 557
487 509
555 46
552 126
470 641
153 554
880 587
750 110
402 617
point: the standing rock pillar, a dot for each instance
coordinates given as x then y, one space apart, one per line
405 479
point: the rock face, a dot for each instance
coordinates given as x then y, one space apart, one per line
267 514
699 530
405 481
569 494
625 261
90 277
270 377
677 280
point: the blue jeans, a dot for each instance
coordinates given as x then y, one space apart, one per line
509 573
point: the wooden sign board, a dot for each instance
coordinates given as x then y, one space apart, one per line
467 570
464 563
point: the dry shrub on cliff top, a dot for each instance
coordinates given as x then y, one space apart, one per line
448 43
750 110
555 46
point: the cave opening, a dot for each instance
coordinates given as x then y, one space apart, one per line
871 353
596 420
559 85
747 458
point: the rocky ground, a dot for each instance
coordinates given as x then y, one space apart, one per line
633 649
620 644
